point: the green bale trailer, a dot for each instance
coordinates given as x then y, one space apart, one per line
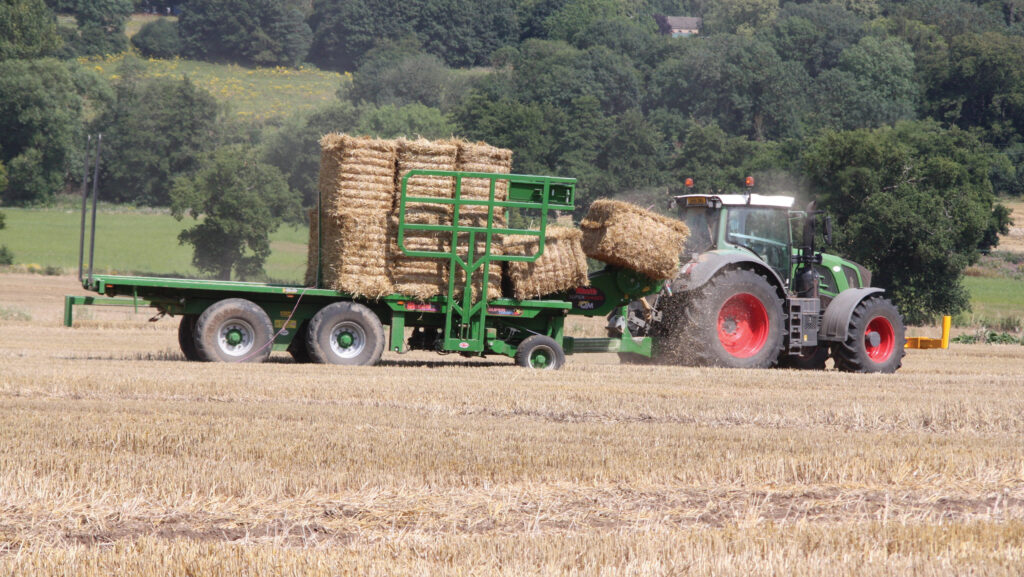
244 322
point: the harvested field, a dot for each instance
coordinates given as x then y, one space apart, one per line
118 457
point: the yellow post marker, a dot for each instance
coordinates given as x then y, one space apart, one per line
929 343
946 321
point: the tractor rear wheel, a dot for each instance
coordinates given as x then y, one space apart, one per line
187 337
874 341
234 330
734 321
345 333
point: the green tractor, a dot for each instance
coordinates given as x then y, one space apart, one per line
749 296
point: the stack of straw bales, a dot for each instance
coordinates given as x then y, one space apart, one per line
626 235
563 265
482 157
354 237
422 278
357 188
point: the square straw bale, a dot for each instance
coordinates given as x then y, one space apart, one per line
628 236
416 277
479 246
423 154
482 157
356 197
563 265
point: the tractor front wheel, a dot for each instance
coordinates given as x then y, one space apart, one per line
734 321
874 341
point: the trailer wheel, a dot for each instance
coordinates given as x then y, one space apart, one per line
232 331
187 337
298 348
809 359
874 342
345 333
540 352
735 321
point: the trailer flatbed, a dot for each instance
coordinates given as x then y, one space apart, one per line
245 321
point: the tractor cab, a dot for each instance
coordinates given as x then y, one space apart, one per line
770 230
751 223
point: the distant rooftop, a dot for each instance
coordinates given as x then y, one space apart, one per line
679 25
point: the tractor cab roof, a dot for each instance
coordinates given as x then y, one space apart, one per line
734 200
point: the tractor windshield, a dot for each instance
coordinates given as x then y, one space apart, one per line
764 231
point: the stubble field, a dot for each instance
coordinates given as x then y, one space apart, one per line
118 457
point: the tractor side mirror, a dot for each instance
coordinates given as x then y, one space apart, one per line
828 230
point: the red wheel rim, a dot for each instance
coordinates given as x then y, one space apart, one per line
743 326
886 339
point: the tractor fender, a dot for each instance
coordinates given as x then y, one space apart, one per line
836 322
699 271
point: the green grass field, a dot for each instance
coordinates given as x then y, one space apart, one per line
130 241
993 299
249 93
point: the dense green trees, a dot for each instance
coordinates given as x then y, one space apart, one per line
27 30
158 39
261 32
462 32
241 201
913 203
40 126
156 130
100 27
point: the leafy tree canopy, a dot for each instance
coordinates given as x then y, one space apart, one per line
260 32
40 125
913 203
462 32
242 200
28 29
158 129
158 39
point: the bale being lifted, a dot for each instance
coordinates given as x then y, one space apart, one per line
563 265
628 236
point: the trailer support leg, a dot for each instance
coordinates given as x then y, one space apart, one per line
397 332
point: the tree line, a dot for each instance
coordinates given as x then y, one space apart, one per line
903 118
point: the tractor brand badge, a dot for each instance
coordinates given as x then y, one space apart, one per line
586 298
505 311
463 345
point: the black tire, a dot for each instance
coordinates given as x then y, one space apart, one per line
345 333
297 348
809 359
860 353
540 352
232 331
187 337
735 320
